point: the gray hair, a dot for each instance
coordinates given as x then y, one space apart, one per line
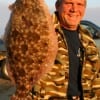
58 2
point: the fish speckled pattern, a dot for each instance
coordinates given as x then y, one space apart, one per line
31 44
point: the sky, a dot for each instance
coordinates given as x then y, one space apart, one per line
92 12
91 3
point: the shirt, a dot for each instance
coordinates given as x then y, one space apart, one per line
72 39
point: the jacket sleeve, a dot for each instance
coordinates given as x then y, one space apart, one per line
96 81
91 64
93 55
92 52
90 49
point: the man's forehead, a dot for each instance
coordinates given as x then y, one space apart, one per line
74 0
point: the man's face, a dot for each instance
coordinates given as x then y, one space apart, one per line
71 12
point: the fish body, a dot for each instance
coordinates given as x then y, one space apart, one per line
31 44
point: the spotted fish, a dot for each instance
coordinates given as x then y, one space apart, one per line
31 44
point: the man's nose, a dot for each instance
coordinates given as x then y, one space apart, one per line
74 7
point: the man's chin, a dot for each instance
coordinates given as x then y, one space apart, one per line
73 23
72 26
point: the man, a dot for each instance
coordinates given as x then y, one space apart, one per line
74 75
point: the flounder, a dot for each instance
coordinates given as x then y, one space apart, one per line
31 44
